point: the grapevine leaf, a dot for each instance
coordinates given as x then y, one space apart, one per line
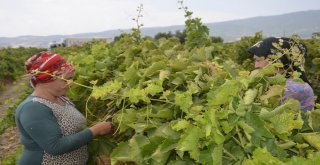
224 93
110 87
212 127
314 120
250 96
181 124
275 90
247 128
136 144
289 104
284 123
189 141
131 75
232 71
165 131
165 94
184 100
262 156
268 70
154 88
121 153
259 125
135 95
155 68
164 74
165 113
276 80
212 155
275 149
163 151
313 139
151 147
179 64
139 127
125 119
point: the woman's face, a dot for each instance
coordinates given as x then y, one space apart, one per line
59 87
260 62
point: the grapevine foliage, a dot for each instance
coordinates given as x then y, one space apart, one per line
171 105
190 103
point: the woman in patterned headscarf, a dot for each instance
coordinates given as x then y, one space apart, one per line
51 128
291 54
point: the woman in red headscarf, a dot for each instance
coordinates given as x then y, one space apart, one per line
51 128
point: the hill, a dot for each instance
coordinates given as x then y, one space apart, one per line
302 23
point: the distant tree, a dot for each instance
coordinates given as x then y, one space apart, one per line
316 35
116 38
181 36
147 38
163 35
178 34
215 39
243 57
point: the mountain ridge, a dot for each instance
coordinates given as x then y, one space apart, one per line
302 23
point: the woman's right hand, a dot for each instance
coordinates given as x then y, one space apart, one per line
102 128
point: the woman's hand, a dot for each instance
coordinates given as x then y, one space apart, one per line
102 128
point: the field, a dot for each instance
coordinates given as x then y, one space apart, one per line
195 101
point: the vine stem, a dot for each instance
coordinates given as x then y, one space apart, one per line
87 109
229 154
164 101
59 77
147 115
241 139
240 136
122 109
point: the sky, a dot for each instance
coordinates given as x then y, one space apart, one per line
63 17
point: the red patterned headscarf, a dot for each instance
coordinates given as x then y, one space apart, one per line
52 64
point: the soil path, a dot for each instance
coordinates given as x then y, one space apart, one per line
9 140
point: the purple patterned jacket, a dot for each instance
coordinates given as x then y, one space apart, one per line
302 92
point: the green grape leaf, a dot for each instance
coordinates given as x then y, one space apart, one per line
212 126
165 113
179 64
285 123
181 124
262 156
154 88
161 154
250 96
164 74
313 139
110 87
314 120
247 128
224 93
183 100
136 143
212 156
165 94
131 75
258 125
189 141
122 153
165 131
135 95
155 68
125 118
275 90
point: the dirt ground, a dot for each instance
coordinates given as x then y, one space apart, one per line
9 140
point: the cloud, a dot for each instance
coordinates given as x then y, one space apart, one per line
47 17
